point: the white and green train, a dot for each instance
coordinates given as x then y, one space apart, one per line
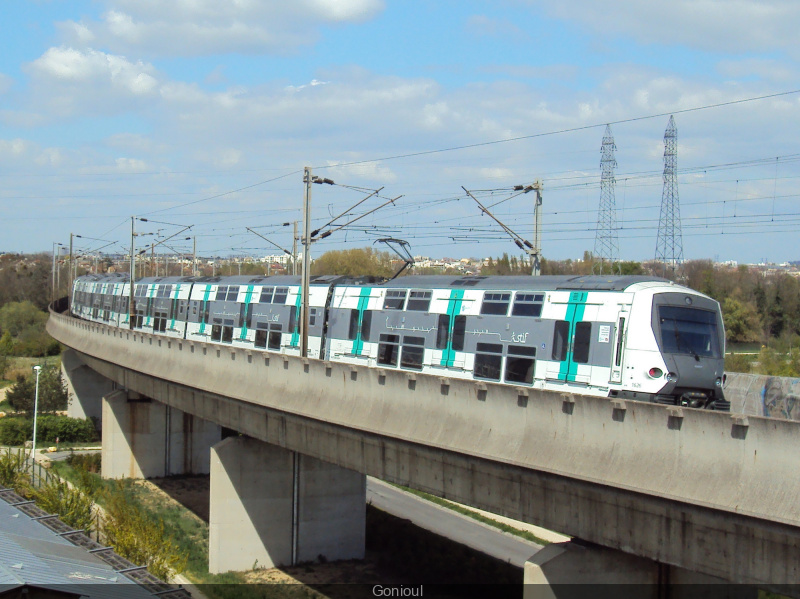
630 337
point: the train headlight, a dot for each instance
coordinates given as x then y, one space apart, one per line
718 382
655 373
672 377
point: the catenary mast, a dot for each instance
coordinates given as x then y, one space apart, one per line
669 246
606 243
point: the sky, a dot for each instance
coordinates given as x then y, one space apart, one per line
204 113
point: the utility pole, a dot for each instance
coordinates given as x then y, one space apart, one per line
194 256
535 252
133 275
70 261
306 262
294 249
53 299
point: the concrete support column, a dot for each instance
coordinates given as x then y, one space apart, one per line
276 507
85 387
146 439
573 569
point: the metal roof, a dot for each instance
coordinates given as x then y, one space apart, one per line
33 554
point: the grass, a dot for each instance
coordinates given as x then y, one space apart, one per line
524 534
397 552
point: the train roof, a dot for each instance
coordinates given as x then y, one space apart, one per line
542 283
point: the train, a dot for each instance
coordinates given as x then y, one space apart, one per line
624 336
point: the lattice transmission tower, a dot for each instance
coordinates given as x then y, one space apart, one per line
606 242
669 246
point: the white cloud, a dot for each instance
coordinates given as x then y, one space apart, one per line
90 66
205 27
483 26
736 26
130 165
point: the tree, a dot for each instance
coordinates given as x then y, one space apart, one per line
742 324
22 331
52 392
355 262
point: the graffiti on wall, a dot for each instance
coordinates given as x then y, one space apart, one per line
780 398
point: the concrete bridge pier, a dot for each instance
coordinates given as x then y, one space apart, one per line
574 569
273 507
85 387
145 439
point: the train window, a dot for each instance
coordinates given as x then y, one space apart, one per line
227 334
459 331
443 331
419 301
413 352
216 330
583 338
292 318
689 331
388 349
266 295
528 304
222 292
312 317
488 361
495 303
233 293
246 315
395 299
261 339
366 325
620 331
560 340
275 336
519 364
352 331
280 295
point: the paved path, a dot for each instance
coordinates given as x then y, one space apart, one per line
450 524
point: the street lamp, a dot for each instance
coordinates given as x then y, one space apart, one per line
37 369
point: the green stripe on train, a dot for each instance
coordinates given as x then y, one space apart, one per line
206 293
363 301
576 309
247 298
174 305
295 342
453 310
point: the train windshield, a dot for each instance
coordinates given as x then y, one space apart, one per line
689 331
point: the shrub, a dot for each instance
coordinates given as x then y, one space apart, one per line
15 431
86 462
73 506
139 539
13 469
65 429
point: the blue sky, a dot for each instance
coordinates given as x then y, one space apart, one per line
203 113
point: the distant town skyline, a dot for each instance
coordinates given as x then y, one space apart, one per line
205 114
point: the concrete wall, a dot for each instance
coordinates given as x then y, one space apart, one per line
762 395
572 569
146 439
273 507
710 491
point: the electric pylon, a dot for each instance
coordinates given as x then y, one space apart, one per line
669 246
606 243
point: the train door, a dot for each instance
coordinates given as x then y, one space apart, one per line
618 356
450 332
572 341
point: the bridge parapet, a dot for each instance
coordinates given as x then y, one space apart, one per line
681 486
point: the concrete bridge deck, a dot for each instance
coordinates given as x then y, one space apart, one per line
711 492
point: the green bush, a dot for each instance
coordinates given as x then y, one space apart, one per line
65 429
17 430
88 462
